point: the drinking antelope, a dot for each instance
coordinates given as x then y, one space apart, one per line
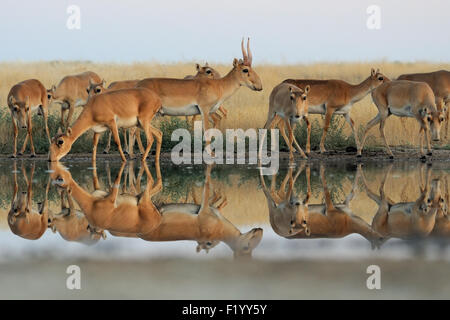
71 93
404 98
207 72
22 219
112 110
188 97
439 81
404 220
330 97
288 104
98 88
24 98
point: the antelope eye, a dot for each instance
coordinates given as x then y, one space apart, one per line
245 70
441 119
49 96
208 71
98 90
304 98
16 108
429 119
380 78
60 141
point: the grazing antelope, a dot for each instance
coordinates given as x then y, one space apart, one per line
288 214
188 97
207 72
288 104
442 223
112 110
71 93
439 81
72 224
22 219
24 98
404 220
98 88
404 98
330 97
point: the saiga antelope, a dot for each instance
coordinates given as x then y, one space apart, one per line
439 81
188 97
442 224
71 93
288 214
330 97
404 98
24 98
98 88
121 108
207 72
403 220
22 219
288 104
71 223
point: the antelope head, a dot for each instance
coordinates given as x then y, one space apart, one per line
376 78
20 110
435 119
95 88
244 244
61 145
206 72
243 68
51 94
298 98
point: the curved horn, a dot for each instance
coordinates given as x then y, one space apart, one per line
250 57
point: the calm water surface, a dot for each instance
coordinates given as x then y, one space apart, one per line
136 212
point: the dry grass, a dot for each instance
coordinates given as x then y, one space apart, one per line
248 109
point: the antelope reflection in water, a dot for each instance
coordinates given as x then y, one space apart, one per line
128 215
326 220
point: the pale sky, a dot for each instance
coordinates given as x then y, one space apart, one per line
283 31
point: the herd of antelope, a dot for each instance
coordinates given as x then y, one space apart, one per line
132 105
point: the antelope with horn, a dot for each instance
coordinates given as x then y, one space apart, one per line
71 93
330 97
98 88
404 98
188 97
24 98
288 104
207 72
439 81
112 110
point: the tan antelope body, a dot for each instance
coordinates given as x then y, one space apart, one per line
404 220
137 216
112 110
24 98
288 104
188 97
22 219
331 220
439 81
404 98
98 88
330 97
288 214
71 93
207 72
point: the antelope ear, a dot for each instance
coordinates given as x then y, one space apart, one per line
290 89
373 72
206 64
90 82
53 88
59 131
197 66
69 132
235 62
307 88
103 83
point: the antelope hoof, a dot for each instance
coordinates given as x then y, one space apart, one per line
20 153
105 151
430 154
391 157
359 156
423 158
33 155
13 156
125 152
